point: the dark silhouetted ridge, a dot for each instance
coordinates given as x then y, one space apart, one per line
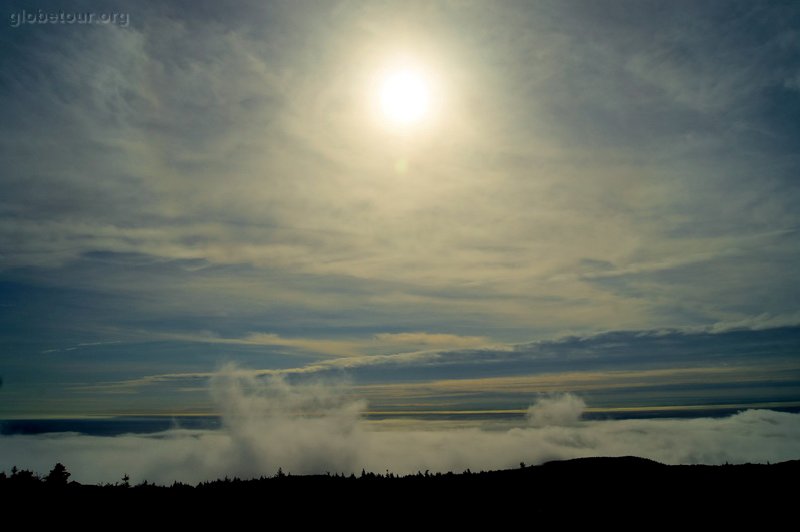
603 486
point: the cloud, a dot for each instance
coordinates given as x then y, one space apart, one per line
318 346
249 147
344 347
214 170
313 426
758 323
556 410
437 340
318 427
616 369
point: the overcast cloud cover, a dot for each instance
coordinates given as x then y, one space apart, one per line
604 202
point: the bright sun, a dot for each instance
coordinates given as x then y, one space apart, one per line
405 96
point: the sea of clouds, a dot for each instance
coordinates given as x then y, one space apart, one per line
319 427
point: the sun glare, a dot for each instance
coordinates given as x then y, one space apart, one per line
405 96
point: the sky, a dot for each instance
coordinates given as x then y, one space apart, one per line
600 200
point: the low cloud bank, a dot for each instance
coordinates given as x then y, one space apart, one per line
312 428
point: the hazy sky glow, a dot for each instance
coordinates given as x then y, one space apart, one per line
590 197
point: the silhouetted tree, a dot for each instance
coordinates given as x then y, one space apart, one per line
23 477
58 476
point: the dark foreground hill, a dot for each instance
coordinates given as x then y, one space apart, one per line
570 490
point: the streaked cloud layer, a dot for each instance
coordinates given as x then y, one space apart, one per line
210 184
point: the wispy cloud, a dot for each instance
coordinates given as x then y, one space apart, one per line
658 368
215 179
351 348
432 340
276 123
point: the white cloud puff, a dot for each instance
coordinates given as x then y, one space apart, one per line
560 410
